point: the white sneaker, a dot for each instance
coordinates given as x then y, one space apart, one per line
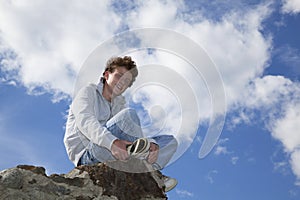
170 183
140 148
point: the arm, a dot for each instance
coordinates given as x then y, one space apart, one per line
86 119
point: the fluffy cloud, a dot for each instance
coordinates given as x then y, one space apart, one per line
268 91
184 193
220 148
50 40
278 101
269 95
291 6
234 160
211 176
286 130
154 13
295 160
234 43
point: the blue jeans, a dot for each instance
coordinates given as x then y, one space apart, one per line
126 126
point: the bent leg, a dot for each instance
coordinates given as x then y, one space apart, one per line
90 157
125 125
167 147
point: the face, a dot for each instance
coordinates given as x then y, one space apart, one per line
118 80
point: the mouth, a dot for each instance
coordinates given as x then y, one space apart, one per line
120 87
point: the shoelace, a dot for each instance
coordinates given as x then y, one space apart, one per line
139 148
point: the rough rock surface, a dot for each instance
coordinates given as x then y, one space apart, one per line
99 181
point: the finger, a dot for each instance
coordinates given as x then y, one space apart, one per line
122 158
124 155
152 157
154 147
119 156
150 160
127 143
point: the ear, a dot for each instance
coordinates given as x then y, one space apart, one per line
106 75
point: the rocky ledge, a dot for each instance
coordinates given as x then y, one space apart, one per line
99 181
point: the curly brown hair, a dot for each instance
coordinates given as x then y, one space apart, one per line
126 62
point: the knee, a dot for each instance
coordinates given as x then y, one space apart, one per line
131 114
167 141
173 142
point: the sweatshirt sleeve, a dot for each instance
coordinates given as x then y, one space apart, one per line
86 119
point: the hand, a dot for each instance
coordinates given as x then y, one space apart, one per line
118 149
153 155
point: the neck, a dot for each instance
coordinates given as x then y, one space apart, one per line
107 93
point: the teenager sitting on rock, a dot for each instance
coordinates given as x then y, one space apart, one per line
100 128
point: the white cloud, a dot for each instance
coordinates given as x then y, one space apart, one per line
268 91
184 193
295 163
176 95
52 39
155 13
291 6
286 130
211 176
220 148
281 167
237 47
234 43
277 99
269 95
234 160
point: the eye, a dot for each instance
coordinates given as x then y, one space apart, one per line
118 76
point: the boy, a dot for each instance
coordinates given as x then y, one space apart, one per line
100 127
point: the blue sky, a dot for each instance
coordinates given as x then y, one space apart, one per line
255 46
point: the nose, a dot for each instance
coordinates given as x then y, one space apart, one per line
124 82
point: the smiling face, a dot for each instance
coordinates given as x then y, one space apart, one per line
118 80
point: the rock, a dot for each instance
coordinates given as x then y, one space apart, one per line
99 181
12 179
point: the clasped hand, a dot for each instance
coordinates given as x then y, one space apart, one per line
119 150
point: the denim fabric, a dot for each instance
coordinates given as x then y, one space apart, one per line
126 126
